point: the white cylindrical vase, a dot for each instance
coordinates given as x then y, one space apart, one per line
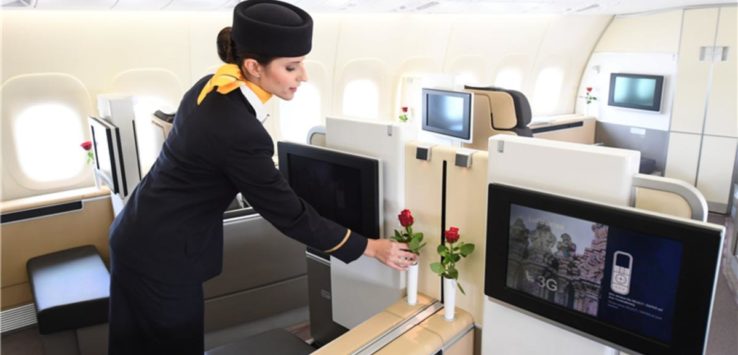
412 284
449 298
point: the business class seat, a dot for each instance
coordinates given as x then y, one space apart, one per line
498 111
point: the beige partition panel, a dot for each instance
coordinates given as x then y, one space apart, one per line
423 197
454 337
466 208
27 238
584 134
376 327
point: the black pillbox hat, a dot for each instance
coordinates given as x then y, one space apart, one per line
271 28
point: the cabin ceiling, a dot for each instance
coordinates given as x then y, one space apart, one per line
600 7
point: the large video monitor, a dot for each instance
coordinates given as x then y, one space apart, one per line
343 187
638 91
631 279
448 113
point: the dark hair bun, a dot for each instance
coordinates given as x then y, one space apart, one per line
225 46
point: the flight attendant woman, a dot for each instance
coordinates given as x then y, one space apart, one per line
169 237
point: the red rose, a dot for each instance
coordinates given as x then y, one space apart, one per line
86 145
404 109
452 235
589 89
406 218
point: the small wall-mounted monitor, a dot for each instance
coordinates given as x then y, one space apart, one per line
106 146
343 187
637 91
635 280
448 113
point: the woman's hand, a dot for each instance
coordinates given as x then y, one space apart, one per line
390 253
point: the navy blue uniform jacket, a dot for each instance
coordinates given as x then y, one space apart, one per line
171 228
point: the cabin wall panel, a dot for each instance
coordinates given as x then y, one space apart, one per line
103 44
657 32
693 81
566 44
25 239
722 114
202 34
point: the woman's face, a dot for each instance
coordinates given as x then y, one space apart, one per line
282 76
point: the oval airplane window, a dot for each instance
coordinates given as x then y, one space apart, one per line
548 90
48 138
361 99
298 115
509 78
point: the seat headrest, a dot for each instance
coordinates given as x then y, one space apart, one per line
520 103
522 108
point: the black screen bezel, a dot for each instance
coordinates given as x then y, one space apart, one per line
104 132
657 91
368 170
466 132
701 247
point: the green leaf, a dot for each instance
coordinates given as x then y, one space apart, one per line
442 249
455 257
397 235
466 249
453 273
460 288
437 268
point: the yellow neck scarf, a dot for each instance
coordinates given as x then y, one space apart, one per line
228 78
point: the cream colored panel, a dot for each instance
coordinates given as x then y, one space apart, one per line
466 201
416 341
448 330
584 134
360 335
716 168
493 37
202 33
25 239
390 38
663 202
565 46
405 311
722 116
491 108
464 346
692 80
642 33
423 198
154 82
682 156
95 45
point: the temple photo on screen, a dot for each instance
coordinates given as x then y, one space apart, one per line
557 258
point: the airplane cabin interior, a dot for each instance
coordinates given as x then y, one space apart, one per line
576 163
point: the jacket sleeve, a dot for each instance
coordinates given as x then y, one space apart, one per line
250 167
